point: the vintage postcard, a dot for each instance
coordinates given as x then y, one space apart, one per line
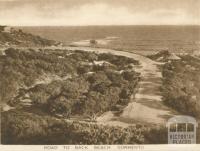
99 75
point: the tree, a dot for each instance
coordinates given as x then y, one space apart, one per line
93 42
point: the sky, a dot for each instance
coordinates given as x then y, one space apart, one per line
99 12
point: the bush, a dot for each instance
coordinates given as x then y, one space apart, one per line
27 128
157 135
82 94
93 42
181 86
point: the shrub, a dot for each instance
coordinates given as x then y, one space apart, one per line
20 127
181 86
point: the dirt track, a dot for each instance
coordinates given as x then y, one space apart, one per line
147 105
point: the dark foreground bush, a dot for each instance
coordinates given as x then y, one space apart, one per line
181 85
157 135
19 127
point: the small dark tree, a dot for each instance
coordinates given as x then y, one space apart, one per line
93 42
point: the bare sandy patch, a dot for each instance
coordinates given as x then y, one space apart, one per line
144 114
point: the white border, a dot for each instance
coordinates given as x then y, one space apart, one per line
173 147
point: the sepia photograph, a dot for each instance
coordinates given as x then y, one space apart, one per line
99 72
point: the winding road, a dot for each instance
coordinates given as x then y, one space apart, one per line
147 106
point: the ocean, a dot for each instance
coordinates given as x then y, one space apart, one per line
131 38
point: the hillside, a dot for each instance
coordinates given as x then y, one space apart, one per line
10 37
56 88
53 97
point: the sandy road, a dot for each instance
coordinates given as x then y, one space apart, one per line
147 105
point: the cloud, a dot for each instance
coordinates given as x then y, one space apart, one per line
93 14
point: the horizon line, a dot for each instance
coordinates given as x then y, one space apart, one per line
101 25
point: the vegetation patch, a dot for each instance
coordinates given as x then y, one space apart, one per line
181 85
66 83
20 127
13 37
